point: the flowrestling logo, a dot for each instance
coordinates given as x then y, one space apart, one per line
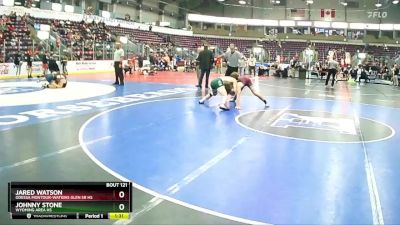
340 125
315 126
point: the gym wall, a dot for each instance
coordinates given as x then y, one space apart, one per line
357 11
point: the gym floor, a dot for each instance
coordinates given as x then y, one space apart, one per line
316 155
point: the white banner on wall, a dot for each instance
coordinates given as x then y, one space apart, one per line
72 67
89 65
10 69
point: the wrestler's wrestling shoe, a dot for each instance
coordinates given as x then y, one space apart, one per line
223 107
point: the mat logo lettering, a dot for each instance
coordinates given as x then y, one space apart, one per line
17 90
59 111
341 125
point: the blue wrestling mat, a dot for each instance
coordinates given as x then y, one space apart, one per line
301 161
315 156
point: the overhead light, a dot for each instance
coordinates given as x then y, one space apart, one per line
242 2
221 0
43 35
310 1
344 3
105 14
123 40
378 4
56 7
277 1
8 2
17 3
395 1
69 8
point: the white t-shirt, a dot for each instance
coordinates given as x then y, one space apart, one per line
252 61
118 54
332 64
242 62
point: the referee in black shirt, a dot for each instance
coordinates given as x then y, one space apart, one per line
28 59
205 59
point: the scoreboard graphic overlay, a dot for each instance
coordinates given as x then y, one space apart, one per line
70 200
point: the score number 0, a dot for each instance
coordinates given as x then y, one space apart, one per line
121 195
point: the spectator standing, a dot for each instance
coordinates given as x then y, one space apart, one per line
152 59
252 65
45 63
53 66
196 64
396 75
133 64
218 64
333 67
140 61
205 59
28 59
118 58
232 57
385 72
17 64
167 61
242 66
64 62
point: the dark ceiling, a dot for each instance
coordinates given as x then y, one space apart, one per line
184 5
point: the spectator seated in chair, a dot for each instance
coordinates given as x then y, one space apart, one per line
385 75
127 68
353 73
364 76
262 70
